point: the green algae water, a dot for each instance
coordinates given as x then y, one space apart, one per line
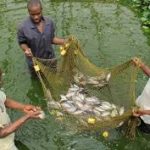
109 33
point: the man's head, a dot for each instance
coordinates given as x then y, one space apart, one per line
35 10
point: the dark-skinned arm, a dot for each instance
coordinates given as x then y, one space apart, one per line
58 41
138 62
145 69
10 103
26 50
140 112
12 127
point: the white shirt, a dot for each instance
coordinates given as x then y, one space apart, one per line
6 143
143 101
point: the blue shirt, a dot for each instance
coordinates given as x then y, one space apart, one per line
40 43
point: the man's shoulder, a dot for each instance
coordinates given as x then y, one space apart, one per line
25 23
48 20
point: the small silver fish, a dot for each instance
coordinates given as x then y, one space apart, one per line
105 113
92 100
113 106
70 94
108 76
82 96
120 124
97 113
106 105
76 98
100 109
69 107
54 104
114 113
86 107
79 104
78 112
63 97
91 81
99 85
121 111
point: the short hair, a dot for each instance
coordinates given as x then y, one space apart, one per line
32 3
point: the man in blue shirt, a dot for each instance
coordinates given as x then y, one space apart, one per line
37 34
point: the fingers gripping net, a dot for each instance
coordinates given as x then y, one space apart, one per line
83 95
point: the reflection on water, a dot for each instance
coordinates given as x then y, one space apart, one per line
109 34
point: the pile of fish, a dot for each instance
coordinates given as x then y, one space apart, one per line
76 102
96 81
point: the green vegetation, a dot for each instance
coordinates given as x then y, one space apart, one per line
142 7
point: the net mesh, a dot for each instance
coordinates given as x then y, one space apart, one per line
83 95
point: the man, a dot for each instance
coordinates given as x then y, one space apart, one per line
7 128
143 101
37 34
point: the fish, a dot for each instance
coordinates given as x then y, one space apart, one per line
70 94
120 124
92 100
42 115
79 104
82 96
69 107
108 76
105 107
78 112
54 104
96 112
86 107
75 86
100 109
105 103
121 111
92 81
105 113
63 97
113 106
114 113
77 98
100 85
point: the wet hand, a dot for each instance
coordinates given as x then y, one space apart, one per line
34 114
137 112
137 61
30 108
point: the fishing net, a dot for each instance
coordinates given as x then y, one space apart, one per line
83 95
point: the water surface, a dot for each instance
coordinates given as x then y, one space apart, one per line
109 33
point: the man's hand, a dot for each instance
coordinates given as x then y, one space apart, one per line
137 61
137 112
30 108
34 114
28 52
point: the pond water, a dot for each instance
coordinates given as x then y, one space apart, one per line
109 33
